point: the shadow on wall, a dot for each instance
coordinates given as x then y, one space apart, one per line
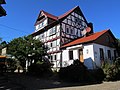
89 63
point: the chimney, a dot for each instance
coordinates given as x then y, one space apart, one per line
91 26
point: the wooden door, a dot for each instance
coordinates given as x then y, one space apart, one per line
81 55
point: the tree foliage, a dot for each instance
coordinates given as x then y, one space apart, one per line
26 48
112 71
118 47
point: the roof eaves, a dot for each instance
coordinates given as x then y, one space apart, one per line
88 39
47 15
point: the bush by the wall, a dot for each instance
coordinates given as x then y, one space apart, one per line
112 71
75 72
39 69
79 72
96 75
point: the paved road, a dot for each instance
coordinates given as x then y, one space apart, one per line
24 82
7 84
103 86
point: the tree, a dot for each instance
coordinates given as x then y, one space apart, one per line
27 49
118 46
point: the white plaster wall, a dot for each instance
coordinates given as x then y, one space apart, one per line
45 22
65 58
36 27
97 53
75 54
88 56
57 61
65 55
37 37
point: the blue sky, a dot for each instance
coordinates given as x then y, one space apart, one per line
22 14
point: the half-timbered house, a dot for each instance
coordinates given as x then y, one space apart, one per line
59 31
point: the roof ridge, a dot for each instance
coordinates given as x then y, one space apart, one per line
89 38
66 13
49 15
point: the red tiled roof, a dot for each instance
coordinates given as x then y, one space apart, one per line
57 18
49 15
92 37
67 13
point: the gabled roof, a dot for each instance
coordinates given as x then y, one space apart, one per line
61 17
67 13
86 39
46 14
55 18
70 11
49 15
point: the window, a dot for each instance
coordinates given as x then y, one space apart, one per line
51 44
52 31
51 58
41 36
101 54
109 54
54 43
55 57
70 55
67 30
72 31
41 25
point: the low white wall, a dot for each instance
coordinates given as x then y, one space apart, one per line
88 56
91 55
97 53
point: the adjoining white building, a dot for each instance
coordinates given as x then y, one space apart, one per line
71 37
92 50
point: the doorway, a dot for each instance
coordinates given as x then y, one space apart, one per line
81 55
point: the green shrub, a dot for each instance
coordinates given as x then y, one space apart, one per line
75 72
96 75
39 69
112 71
